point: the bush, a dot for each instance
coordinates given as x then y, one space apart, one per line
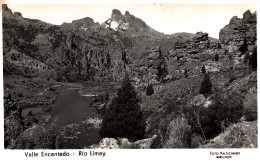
232 78
253 60
216 57
205 85
20 95
179 133
203 69
52 89
106 96
185 73
235 138
250 105
196 140
149 90
209 122
124 117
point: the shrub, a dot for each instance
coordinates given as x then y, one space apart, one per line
209 122
52 89
250 105
216 57
232 78
253 60
20 95
149 90
179 133
203 69
235 138
196 140
205 85
124 117
185 73
106 96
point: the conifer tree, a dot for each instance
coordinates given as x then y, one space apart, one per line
253 60
205 85
203 69
216 57
124 116
185 73
149 90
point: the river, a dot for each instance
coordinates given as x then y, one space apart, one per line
75 121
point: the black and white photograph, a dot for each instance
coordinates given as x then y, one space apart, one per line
129 76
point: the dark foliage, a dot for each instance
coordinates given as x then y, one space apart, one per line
251 116
203 69
253 60
215 118
185 73
106 96
216 57
205 85
52 89
124 117
149 90
232 78
243 47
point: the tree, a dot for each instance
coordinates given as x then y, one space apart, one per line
124 116
216 57
149 90
243 47
253 60
185 73
203 69
205 85
106 96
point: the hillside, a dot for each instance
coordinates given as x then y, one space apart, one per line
202 88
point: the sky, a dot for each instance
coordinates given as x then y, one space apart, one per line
163 17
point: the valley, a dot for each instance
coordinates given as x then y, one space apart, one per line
84 84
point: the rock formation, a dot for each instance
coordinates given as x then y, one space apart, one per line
239 36
123 143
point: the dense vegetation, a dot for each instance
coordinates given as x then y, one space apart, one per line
124 117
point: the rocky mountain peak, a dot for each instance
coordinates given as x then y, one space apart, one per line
116 14
249 17
5 8
235 20
129 25
127 13
84 21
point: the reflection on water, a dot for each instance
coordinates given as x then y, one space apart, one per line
69 115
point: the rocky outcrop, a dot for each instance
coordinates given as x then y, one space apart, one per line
196 49
151 68
123 143
130 25
239 36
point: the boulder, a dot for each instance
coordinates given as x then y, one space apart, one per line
199 100
18 14
116 14
155 49
154 55
108 143
124 143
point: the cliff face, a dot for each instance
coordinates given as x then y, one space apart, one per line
239 35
